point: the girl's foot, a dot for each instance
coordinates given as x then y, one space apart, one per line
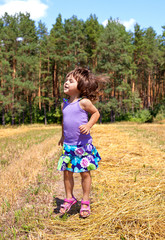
85 209
68 203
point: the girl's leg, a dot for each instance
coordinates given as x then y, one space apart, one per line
69 184
86 186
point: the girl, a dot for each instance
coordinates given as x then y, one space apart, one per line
79 155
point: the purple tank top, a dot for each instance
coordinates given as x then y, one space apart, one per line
73 117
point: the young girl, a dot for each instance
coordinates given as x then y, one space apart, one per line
79 155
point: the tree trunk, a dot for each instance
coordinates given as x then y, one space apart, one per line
133 85
3 116
101 116
30 109
39 88
13 90
23 116
157 90
20 119
55 84
112 116
45 114
163 91
149 90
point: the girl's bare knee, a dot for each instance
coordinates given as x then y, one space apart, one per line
85 174
68 174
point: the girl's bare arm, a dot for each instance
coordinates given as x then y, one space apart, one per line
87 105
62 136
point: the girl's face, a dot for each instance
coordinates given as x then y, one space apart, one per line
70 86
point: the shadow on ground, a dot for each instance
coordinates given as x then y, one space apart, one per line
74 209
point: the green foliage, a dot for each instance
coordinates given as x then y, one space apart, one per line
55 116
161 113
5 207
158 108
114 50
75 40
92 31
142 116
34 64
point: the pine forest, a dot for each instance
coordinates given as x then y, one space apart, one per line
34 64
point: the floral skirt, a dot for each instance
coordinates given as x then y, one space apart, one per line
78 158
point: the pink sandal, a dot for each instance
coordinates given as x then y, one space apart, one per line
70 202
83 209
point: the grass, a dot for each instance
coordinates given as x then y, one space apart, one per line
154 134
127 198
15 143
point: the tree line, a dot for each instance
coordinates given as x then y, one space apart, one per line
34 63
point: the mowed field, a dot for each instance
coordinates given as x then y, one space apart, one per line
128 188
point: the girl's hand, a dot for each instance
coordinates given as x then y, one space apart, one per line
84 129
61 141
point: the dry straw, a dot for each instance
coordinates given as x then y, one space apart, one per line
23 169
128 200
128 190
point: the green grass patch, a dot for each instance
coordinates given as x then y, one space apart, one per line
13 146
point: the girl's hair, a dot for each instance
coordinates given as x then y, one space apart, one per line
88 83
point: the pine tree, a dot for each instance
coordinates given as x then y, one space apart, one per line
139 52
75 43
33 66
147 59
93 31
161 73
114 53
5 75
27 63
57 46
44 84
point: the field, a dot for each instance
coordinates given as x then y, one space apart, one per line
128 188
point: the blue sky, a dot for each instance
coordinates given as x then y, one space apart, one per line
144 12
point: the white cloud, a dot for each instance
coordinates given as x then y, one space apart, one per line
129 25
36 8
105 23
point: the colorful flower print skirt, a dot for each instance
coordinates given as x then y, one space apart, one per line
78 159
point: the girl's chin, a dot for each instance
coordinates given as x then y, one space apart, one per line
66 92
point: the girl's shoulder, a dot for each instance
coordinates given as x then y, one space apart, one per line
84 103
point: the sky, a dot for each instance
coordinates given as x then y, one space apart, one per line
147 13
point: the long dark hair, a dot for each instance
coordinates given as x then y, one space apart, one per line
88 83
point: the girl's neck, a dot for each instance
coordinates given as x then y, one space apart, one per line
73 98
